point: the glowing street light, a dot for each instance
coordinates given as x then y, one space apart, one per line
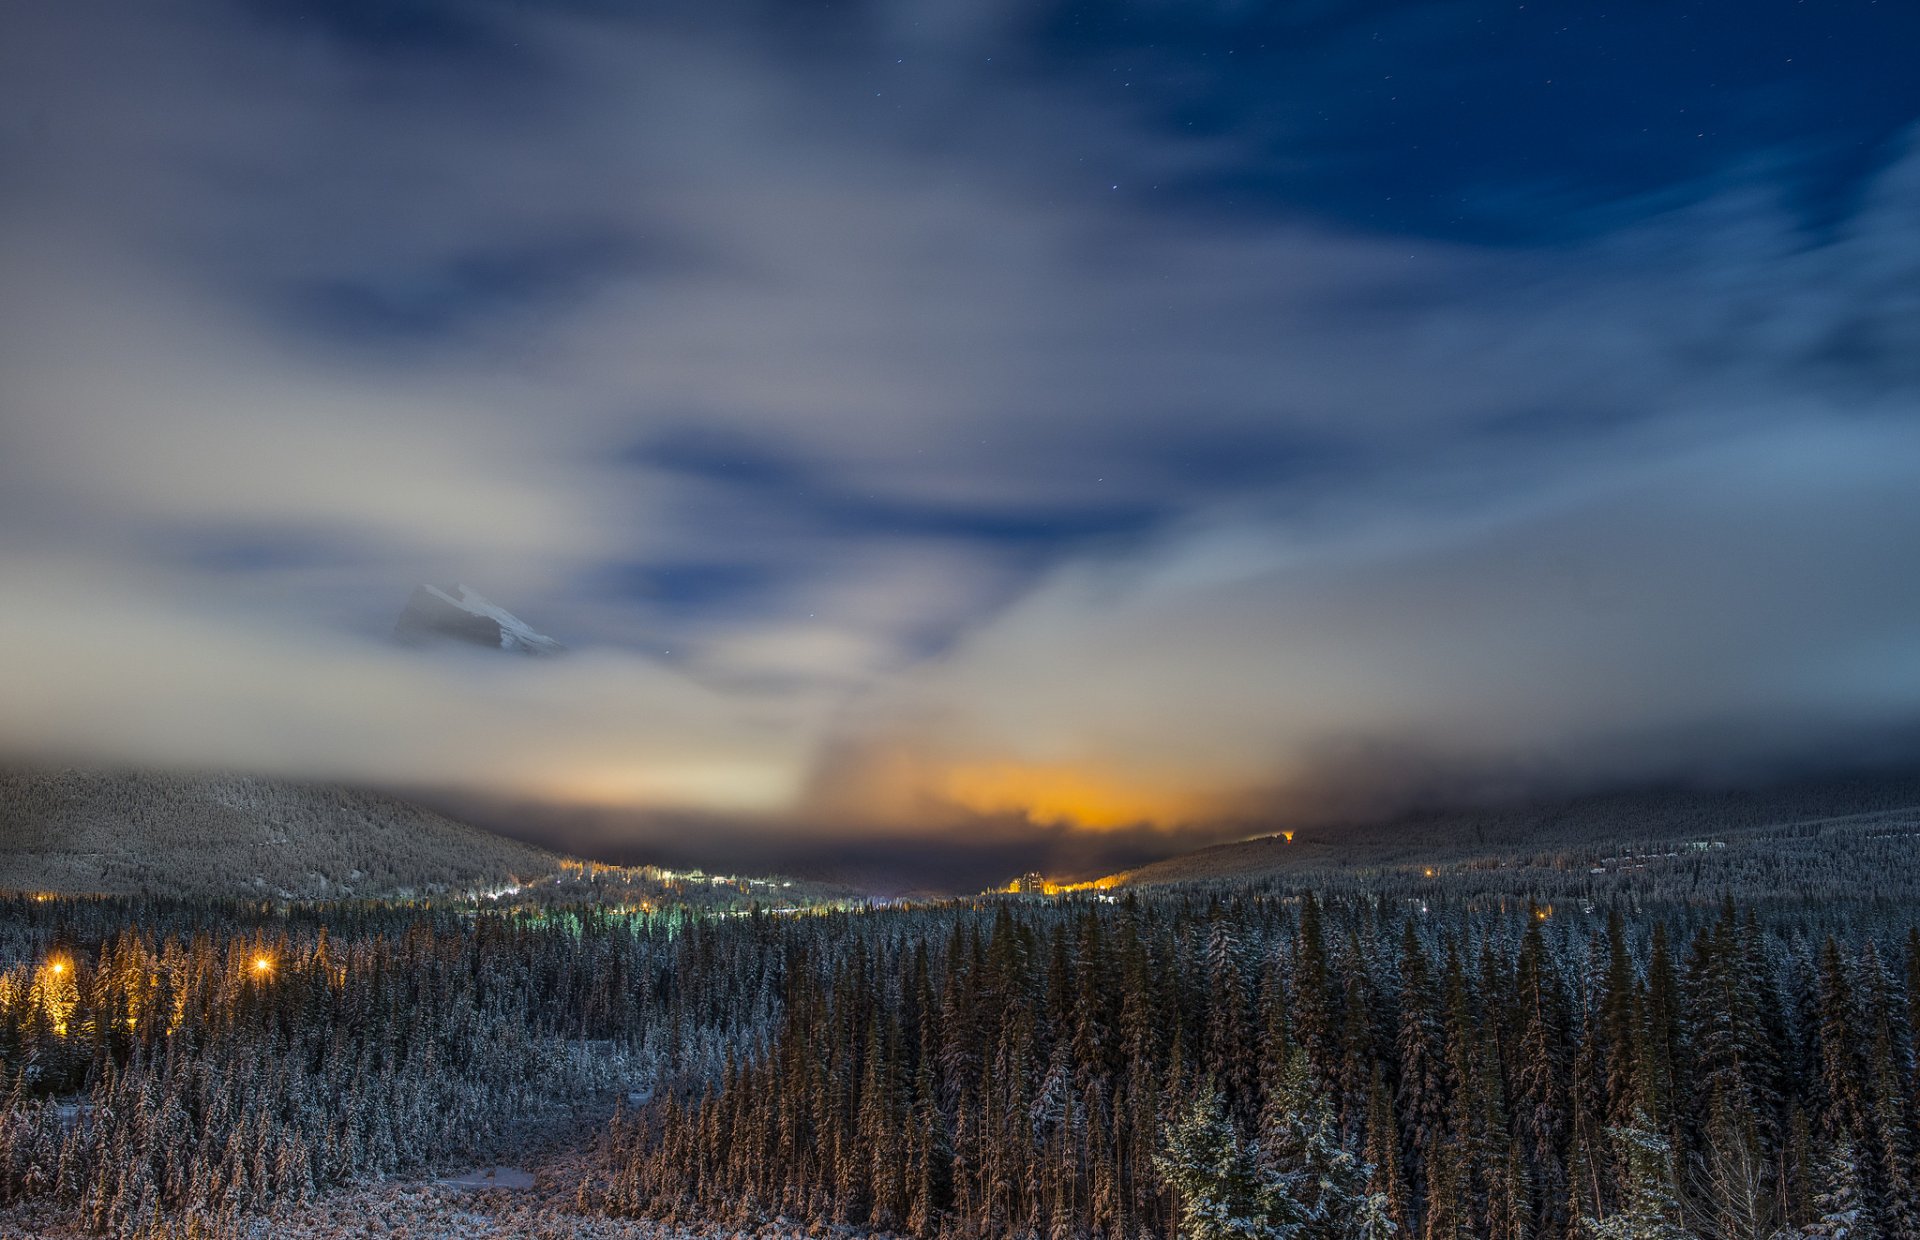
262 965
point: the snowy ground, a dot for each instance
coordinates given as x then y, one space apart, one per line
480 1178
531 1201
429 1211
421 1212
439 1212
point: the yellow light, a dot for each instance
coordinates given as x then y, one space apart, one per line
59 966
263 964
1429 871
1287 836
1050 887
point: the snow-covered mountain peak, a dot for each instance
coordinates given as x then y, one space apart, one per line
464 614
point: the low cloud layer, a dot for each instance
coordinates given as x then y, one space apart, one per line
919 430
1723 607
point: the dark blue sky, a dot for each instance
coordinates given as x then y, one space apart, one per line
921 413
1495 123
1510 124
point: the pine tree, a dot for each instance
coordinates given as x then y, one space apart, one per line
1443 1214
1888 1132
1842 1075
1222 1193
1660 1048
1649 1207
1422 1101
1618 1021
1313 1000
1229 1036
1541 1110
1317 1188
1841 1210
1385 1181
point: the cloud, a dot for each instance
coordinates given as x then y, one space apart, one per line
1721 609
909 431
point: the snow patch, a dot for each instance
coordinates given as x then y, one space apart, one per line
492 1177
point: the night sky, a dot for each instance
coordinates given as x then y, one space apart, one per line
960 435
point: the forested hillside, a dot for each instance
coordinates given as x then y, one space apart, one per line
1419 1059
234 836
1578 832
174 1069
1277 1067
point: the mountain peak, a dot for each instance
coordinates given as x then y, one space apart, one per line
463 614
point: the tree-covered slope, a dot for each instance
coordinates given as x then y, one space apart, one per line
1572 831
230 835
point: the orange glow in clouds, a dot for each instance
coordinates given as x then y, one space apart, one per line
1061 793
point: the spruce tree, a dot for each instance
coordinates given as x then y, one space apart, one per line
1649 1206
1222 1192
1840 1207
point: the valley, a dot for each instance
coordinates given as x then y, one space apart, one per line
634 1056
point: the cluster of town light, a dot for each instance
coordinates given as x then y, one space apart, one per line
262 964
55 991
1034 884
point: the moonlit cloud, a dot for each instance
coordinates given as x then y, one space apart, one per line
913 424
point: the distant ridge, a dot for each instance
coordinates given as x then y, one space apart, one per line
74 831
1570 823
